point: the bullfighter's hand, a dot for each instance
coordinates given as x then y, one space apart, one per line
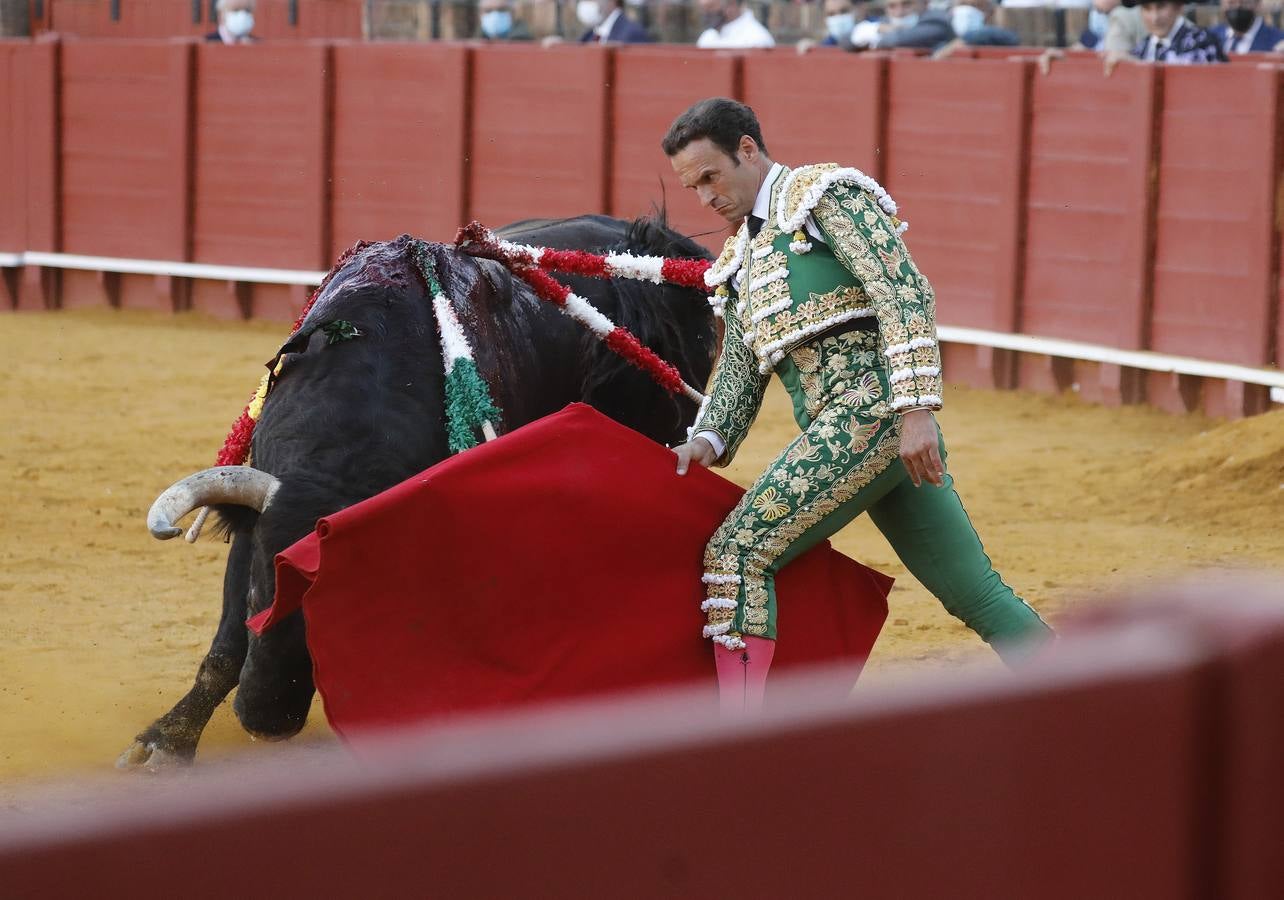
920 450
698 451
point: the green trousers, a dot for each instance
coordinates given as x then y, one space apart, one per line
845 462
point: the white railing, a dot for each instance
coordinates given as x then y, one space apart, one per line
1021 343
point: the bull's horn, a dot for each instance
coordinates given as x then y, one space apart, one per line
241 485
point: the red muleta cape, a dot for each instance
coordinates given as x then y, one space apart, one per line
560 560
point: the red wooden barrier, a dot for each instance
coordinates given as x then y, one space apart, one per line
539 130
1253 797
956 157
122 195
13 139
1091 780
1217 183
400 141
262 162
1088 219
841 122
39 287
653 85
81 18
13 164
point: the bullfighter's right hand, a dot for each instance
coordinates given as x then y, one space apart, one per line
697 450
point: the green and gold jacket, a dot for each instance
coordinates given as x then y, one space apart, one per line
791 290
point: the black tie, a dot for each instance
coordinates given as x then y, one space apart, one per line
1161 47
755 225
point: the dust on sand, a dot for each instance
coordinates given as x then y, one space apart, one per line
102 627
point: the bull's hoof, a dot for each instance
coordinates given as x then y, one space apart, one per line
149 757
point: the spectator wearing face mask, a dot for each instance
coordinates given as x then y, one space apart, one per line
495 22
731 25
841 18
972 21
235 23
611 26
908 24
1244 31
1173 38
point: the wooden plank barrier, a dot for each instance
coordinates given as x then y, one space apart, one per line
540 120
1139 760
116 194
13 165
956 157
1088 221
400 141
262 170
653 85
782 89
1215 292
38 288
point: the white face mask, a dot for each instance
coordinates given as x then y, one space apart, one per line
903 21
1098 22
239 22
965 19
840 26
589 12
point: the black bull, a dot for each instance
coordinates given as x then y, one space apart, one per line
347 420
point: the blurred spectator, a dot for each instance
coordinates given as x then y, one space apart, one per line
972 21
613 25
908 24
1172 38
235 22
731 25
1244 31
495 22
841 17
1121 31
1094 34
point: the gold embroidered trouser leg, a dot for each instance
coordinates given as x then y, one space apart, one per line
840 466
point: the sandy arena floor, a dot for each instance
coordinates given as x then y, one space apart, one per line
101 627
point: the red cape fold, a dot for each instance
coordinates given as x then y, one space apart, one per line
560 560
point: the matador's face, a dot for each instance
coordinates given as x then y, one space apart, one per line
725 184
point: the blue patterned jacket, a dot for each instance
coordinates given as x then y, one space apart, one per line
1191 45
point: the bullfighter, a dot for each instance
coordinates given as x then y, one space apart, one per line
817 287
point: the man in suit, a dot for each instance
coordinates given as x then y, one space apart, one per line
1244 31
1171 38
613 27
235 22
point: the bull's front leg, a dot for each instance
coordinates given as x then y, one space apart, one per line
171 740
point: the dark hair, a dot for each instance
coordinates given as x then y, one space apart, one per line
720 120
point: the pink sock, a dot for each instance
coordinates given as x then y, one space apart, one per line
742 676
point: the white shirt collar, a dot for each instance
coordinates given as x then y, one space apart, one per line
603 30
762 204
